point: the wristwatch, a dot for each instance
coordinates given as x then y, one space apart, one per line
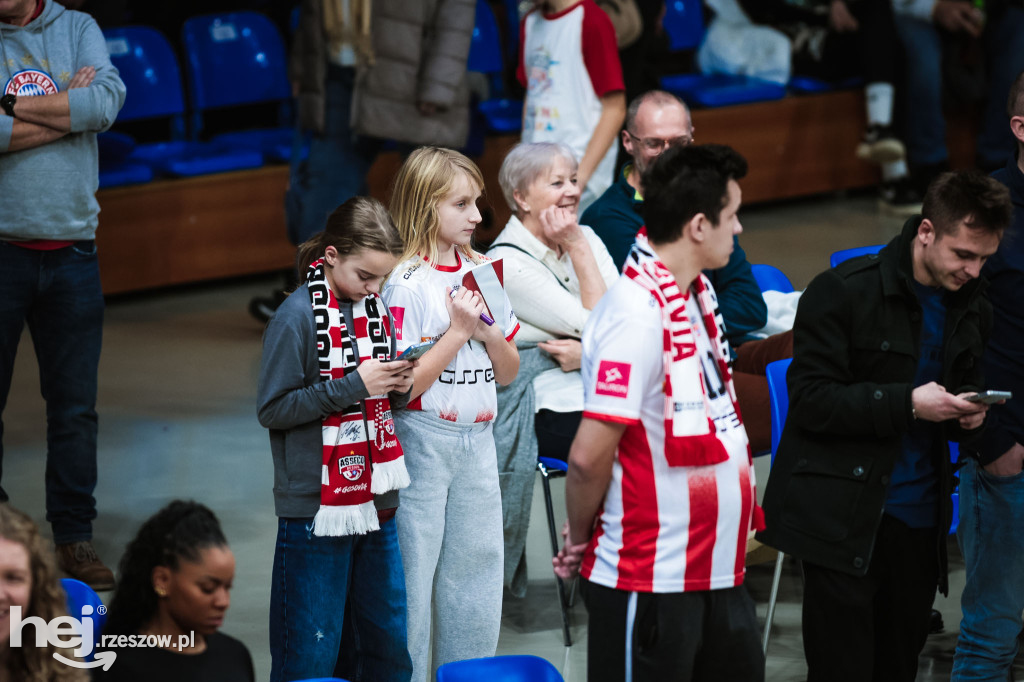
7 104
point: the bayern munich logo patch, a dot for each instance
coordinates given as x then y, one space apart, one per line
31 82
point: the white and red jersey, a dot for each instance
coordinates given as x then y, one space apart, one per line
568 61
415 294
662 528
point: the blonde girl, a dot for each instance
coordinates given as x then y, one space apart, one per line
449 523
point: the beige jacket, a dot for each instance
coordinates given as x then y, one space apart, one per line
419 52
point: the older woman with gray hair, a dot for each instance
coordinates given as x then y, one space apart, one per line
555 271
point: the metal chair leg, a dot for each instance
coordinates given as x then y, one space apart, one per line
772 599
562 599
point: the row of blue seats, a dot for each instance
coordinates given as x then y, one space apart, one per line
239 58
232 59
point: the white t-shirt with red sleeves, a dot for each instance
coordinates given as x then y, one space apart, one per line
568 61
662 528
415 294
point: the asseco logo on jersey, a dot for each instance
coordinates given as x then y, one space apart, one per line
31 82
613 378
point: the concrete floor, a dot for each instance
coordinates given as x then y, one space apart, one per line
177 419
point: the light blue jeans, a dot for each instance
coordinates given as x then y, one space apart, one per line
991 537
926 123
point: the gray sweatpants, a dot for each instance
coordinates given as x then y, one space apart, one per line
450 533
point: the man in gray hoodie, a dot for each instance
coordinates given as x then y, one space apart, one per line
57 90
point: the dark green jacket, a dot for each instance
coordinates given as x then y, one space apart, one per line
855 353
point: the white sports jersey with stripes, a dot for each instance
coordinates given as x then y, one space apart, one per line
662 528
415 294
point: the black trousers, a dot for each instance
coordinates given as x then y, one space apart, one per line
873 627
708 636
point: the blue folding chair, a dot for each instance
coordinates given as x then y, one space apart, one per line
846 254
150 72
236 59
770 278
555 468
78 597
501 115
778 396
500 669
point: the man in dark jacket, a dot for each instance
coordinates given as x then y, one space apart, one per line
886 348
991 532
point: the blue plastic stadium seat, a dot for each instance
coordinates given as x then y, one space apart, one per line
238 59
720 90
80 595
485 48
684 24
125 173
500 669
770 278
188 159
149 69
806 85
501 115
778 396
846 254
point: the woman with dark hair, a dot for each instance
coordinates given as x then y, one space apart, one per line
176 578
28 578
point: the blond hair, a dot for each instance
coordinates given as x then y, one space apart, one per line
47 600
422 183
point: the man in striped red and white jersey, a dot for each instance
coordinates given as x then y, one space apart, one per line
660 489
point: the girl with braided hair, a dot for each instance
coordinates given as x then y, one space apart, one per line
176 578
28 578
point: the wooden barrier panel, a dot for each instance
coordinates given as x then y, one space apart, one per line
189 230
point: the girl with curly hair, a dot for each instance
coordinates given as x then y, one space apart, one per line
28 578
176 579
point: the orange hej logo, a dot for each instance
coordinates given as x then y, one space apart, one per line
613 379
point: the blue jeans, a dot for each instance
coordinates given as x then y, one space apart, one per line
58 294
991 537
926 129
336 167
337 606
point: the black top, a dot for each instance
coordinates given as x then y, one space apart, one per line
224 660
856 345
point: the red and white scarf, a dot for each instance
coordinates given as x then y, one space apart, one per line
690 434
361 454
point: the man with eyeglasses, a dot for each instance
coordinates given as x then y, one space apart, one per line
656 121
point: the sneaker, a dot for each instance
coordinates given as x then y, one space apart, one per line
264 307
80 561
880 145
900 198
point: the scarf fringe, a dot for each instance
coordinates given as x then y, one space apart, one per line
357 519
388 476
